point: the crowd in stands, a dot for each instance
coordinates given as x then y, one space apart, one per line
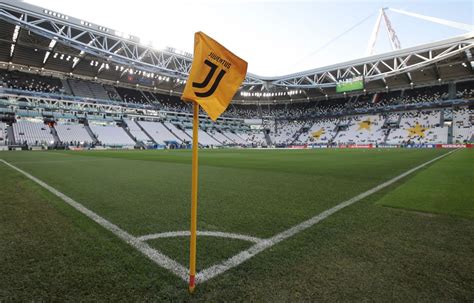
284 133
310 109
112 93
406 128
254 138
172 103
131 95
367 129
335 107
419 127
325 121
321 131
463 121
3 134
434 126
465 90
32 83
242 111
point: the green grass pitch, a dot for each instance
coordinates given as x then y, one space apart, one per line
412 241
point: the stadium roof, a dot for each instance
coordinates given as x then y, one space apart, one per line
43 41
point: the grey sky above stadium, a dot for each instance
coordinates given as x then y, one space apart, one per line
275 37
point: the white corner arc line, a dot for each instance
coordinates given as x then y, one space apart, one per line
186 233
153 254
244 255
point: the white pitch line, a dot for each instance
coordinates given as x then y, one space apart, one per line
153 254
243 256
63 161
186 233
215 270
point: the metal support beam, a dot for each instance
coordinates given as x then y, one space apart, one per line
458 25
397 63
394 41
103 44
373 38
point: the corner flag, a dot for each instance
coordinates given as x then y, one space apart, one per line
216 75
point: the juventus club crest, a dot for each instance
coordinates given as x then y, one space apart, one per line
216 75
208 78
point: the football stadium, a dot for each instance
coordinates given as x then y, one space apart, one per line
136 173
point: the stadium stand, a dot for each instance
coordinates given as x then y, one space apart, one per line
180 134
159 132
30 82
321 132
242 111
3 134
111 135
296 123
170 103
221 138
254 138
465 90
420 128
112 93
235 138
204 138
73 134
131 96
136 131
361 130
463 128
88 89
32 133
285 132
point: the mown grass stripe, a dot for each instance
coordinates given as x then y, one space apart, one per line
245 255
153 254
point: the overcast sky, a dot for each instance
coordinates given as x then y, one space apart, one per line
275 37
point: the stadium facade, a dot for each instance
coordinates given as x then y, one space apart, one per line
69 83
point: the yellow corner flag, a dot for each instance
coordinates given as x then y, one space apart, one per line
216 75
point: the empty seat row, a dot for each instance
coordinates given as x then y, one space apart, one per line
33 133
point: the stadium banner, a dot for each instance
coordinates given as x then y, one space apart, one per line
216 75
350 84
356 146
360 146
421 146
318 146
454 145
76 148
297 147
253 121
388 146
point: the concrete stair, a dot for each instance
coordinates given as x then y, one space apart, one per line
10 135
145 132
124 126
55 135
89 131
